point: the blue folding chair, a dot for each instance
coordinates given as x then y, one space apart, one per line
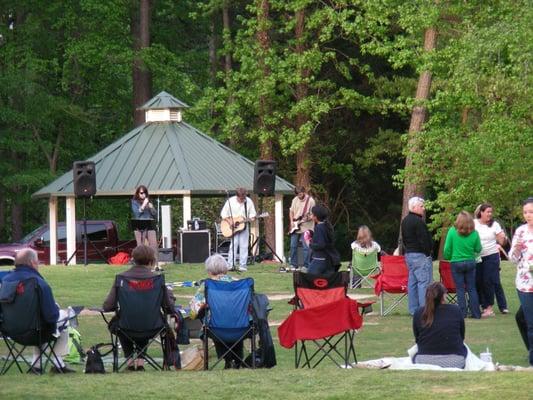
228 321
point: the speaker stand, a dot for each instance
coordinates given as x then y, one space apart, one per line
260 240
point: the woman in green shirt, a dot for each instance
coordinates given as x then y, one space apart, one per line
461 248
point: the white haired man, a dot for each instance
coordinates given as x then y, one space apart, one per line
26 266
418 246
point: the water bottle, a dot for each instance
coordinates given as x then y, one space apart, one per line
196 225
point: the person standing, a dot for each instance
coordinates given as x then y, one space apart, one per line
418 248
461 248
143 209
238 210
488 270
324 256
521 253
300 221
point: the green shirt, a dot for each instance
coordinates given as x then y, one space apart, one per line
461 248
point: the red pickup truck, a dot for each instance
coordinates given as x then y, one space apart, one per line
103 237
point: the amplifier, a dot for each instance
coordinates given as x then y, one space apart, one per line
194 246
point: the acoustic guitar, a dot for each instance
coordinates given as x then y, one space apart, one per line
231 226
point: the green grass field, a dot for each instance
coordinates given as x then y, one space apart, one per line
380 337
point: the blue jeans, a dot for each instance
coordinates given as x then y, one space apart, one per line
490 265
295 238
464 275
526 301
420 276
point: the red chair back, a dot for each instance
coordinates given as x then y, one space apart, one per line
394 275
446 278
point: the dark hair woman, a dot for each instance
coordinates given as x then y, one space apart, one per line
488 280
439 331
323 253
461 248
143 209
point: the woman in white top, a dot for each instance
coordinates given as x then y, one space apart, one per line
488 270
522 253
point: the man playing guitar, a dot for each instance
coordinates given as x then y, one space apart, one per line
236 207
300 221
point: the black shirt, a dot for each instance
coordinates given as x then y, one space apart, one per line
445 335
415 235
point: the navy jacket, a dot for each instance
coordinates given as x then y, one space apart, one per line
49 308
321 241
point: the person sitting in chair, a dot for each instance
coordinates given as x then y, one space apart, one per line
217 269
439 331
26 267
144 259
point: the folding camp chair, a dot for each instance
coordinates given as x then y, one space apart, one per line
391 283
139 318
446 278
324 317
363 266
227 320
21 326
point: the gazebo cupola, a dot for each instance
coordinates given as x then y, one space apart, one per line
163 108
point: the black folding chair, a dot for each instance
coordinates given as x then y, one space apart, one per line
228 320
138 318
21 325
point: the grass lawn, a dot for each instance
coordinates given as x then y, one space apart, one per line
380 337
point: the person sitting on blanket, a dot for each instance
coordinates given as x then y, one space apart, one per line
216 268
439 331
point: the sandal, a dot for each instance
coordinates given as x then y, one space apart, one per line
487 314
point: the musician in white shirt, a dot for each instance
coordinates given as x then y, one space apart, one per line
239 207
300 220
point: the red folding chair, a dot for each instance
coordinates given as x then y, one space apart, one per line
324 316
391 282
446 278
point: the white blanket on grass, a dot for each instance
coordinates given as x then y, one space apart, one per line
472 363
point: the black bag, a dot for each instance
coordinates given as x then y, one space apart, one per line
94 363
171 356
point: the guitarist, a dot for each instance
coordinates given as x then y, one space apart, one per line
300 220
237 206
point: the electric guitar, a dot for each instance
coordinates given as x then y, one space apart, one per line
296 223
231 226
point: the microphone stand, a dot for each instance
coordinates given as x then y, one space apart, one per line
232 233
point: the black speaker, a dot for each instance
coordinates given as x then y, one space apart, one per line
84 178
193 246
265 177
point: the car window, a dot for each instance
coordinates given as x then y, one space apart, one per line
95 232
61 235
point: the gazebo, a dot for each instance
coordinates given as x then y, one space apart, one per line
170 157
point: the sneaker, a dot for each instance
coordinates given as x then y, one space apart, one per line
242 269
61 370
140 368
505 311
35 371
293 268
282 269
131 368
487 314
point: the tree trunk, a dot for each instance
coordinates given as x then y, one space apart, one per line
16 215
142 80
212 51
227 37
302 89
412 187
263 39
2 215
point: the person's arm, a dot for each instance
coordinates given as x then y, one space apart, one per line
110 303
517 245
136 209
501 239
462 325
49 308
448 245
197 302
225 212
251 209
168 301
424 238
477 243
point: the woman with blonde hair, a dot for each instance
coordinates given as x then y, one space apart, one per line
364 242
461 248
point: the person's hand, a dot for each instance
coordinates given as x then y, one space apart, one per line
145 203
150 205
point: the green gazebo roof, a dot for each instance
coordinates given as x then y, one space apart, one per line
170 158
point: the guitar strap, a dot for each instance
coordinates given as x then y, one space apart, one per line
304 211
246 210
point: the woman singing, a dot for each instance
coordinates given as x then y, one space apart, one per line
143 209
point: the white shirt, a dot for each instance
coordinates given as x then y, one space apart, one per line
366 250
238 209
488 237
524 278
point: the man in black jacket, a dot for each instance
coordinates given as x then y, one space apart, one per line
418 247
